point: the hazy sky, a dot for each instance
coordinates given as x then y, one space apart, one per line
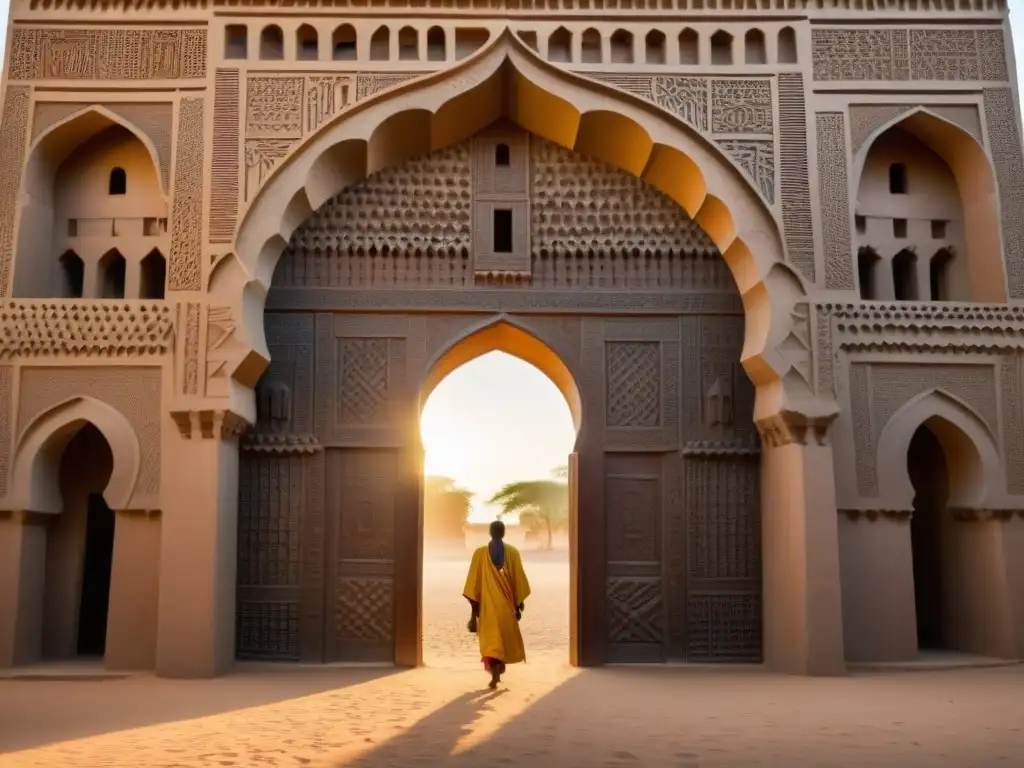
498 419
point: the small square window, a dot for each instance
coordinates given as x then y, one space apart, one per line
938 229
861 223
502 230
897 179
899 228
502 156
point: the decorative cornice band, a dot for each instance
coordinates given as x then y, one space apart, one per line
209 424
872 515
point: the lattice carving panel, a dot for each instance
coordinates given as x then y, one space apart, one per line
634 383
724 628
364 380
364 610
793 175
1004 143
633 518
635 613
185 270
107 54
269 521
723 515
835 200
267 630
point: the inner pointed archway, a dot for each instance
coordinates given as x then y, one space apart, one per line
499 419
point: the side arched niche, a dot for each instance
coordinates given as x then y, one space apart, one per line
91 185
927 186
923 573
87 575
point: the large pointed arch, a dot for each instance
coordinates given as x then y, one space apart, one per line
34 475
507 79
979 193
977 476
509 335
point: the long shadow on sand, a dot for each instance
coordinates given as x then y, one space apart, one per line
29 717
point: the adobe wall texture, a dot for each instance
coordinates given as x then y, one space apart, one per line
705 244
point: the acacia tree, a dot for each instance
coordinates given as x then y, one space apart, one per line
538 502
446 507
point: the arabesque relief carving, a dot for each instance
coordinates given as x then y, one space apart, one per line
107 54
915 54
13 130
1004 144
865 119
185 270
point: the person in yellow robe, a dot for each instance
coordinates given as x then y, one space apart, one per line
497 588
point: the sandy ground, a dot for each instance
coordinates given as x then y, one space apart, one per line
547 715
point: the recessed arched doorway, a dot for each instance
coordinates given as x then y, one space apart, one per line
500 415
926 464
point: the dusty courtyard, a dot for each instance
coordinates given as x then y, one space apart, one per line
549 714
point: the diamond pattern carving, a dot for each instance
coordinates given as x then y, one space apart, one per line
364 380
634 383
634 611
364 610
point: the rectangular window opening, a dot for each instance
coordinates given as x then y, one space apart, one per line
502 230
899 228
938 230
861 223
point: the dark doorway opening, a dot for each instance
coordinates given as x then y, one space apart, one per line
95 597
926 464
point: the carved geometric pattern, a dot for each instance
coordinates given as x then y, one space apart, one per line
915 54
723 516
133 392
261 156
685 97
274 107
325 97
369 83
185 270
1004 144
793 175
724 627
224 176
6 408
835 202
31 329
1013 429
634 610
13 128
364 610
757 158
267 630
364 380
270 504
108 54
634 383
191 366
742 106
571 212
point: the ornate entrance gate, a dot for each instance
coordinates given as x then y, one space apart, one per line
604 272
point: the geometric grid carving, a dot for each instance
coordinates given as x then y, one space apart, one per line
12 149
1004 143
224 177
107 54
364 379
364 610
634 383
270 507
723 513
794 182
835 203
1013 435
185 269
267 630
724 628
634 506
634 610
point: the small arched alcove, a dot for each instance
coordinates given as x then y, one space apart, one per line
110 275
76 186
590 50
343 43
380 44
926 185
272 43
307 43
560 46
622 47
153 276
